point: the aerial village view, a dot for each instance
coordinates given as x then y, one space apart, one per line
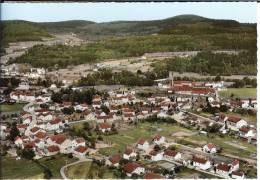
150 91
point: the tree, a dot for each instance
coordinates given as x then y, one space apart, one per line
69 110
27 154
105 109
218 78
14 132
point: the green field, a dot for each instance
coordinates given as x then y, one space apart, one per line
239 92
24 169
229 144
14 169
89 170
143 130
11 108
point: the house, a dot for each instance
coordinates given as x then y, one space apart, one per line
78 142
210 148
114 160
151 175
34 130
80 151
223 169
237 175
18 141
234 122
246 132
96 104
133 168
41 135
128 117
61 141
52 150
129 154
171 155
235 165
201 163
158 139
21 128
142 144
104 127
45 116
54 125
81 107
156 155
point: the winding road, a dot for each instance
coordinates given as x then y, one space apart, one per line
62 170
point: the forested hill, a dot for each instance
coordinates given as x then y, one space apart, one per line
183 24
15 31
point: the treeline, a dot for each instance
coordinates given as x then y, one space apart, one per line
107 77
68 94
207 63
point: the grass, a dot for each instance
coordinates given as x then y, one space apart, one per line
11 108
239 92
22 169
55 163
25 169
227 148
143 130
89 170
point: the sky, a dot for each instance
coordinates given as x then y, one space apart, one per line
244 12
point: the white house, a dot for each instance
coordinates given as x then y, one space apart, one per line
104 127
158 139
54 125
235 123
114 160
171 155
210 148
246 132
133 168
201 163
223 170
78 142
156 155
129 154
80 151
61 141
143 144
52 150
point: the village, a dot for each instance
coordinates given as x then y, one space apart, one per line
151 135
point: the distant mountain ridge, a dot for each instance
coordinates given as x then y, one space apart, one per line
182 24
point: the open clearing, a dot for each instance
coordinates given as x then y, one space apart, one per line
143 130
89 170
11 108
239 92
25 169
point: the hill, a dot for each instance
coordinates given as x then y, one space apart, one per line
15 31
188 24
134 38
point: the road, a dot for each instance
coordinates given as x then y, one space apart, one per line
62 170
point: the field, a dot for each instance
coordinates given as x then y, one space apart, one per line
143 130
12 169
89 170
229 144
239 92
11 108
25 169
146 130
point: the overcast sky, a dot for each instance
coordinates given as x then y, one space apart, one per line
104 12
